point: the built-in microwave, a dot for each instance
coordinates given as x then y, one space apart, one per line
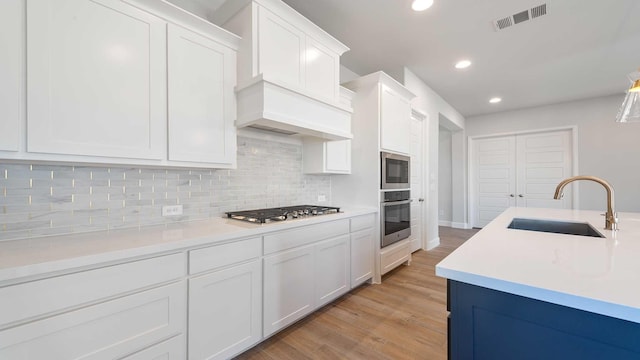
394 171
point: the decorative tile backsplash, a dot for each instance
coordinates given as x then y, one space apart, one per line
40 200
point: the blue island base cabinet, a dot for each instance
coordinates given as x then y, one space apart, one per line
486 324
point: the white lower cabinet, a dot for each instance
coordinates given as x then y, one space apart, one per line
362 244
288 287
225 299
332 269
361 256
304 269
106 330
225 311
172 349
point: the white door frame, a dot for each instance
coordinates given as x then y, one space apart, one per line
419 115
471 168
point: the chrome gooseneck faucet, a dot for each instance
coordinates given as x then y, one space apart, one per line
611 218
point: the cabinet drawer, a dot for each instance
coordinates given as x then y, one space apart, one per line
36 298
172 349
304 235
391 258
106 330
222 255
362 222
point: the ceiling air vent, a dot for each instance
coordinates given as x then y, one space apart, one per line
522 16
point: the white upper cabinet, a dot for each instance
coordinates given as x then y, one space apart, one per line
123 82
201 101
281 47
11 72
96 79
322 70
285 47
326 157
395 121
384 103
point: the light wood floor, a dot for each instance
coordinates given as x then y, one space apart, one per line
405 317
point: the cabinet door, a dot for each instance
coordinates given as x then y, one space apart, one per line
225 311
201 77
361 256
332 269
96 79
281 48
338 156
322 70
11 72
172 349
288 287
395 122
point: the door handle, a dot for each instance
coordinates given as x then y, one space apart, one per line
520 195
421 200
511 195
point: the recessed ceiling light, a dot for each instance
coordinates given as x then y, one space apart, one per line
495 100
463 64
421 5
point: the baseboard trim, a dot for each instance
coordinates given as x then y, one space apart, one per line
444 223
458 225
433 243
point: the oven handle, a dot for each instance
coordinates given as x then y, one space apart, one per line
402 202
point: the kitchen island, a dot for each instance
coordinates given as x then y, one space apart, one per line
520 294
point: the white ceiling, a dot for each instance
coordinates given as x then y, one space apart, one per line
581 49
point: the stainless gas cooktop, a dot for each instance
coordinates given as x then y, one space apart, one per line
262 216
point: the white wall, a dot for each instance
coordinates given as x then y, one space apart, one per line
432 104
347 75
445 213
605 148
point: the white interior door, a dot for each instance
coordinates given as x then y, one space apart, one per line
519 170
494 178
417 205
543 160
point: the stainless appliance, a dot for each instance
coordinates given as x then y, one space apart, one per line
395 211
262 216
394 172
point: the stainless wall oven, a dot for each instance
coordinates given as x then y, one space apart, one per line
394 173
396 217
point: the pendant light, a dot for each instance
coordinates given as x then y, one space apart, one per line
630 109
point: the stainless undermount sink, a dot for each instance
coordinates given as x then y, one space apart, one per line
552 226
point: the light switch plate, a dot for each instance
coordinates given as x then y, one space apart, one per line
322 198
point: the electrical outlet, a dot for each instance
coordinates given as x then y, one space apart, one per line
171 210
322 198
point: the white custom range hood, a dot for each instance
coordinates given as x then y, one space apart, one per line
270 105
288 71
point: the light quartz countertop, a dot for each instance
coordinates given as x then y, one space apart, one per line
29 258
600 275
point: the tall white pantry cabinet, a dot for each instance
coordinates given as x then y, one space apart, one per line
100 76
381 122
